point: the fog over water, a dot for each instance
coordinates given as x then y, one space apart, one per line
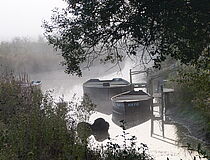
159 147
43 65
23 18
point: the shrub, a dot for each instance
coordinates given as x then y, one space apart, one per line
193 88
34 127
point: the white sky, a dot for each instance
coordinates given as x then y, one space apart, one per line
23 18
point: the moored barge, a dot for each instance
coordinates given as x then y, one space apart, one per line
132 107
101 91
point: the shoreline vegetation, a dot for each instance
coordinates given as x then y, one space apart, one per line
189 131
194 125
33 126
25 138
189 106
193 106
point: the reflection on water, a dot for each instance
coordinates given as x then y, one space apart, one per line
101 136
99 129
159 147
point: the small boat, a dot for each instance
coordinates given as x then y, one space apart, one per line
34 84
132 107
101 91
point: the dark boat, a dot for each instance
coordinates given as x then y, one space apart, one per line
132 107
101 91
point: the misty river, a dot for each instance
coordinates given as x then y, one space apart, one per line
160 148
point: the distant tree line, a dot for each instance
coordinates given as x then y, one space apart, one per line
25 55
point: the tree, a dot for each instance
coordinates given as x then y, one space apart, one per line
106 29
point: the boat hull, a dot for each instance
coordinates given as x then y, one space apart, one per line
132 112
101 94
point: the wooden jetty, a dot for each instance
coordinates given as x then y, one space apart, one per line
160 96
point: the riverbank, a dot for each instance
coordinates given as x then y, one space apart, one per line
191 125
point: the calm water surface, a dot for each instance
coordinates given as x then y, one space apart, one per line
160 148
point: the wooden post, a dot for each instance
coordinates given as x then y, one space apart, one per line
162 110
130 77
152 118
150 90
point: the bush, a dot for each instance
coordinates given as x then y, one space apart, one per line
34 127
193 88
192 96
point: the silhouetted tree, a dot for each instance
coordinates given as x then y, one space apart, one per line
106 29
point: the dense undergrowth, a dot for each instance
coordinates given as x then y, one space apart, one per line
34 127
189 104
192 96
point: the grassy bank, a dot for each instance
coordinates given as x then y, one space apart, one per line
191 129
192 93
191 107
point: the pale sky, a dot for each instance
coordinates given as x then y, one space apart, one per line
23 18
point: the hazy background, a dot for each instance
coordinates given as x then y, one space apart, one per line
22 47
23 18
31 54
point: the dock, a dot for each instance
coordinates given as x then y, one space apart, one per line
160 97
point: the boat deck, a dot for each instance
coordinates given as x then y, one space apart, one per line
132 96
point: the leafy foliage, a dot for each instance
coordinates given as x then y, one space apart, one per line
192 99
111 29
129 150
33 126
193 86
201 152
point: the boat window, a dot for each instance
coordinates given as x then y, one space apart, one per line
117 79
120 104
106 84
134 104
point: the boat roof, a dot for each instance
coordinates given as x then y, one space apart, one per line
115 82
131 96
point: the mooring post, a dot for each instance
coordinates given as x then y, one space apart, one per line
162 109
130 76
150 90
152 118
